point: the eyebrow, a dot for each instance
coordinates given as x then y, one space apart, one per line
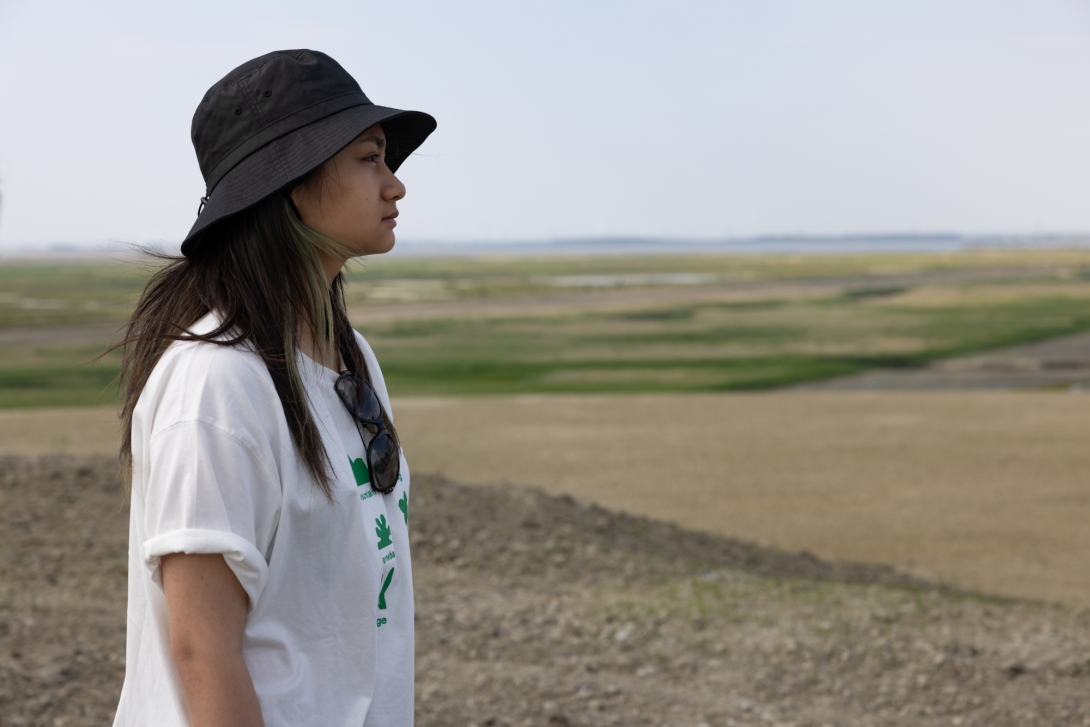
379 141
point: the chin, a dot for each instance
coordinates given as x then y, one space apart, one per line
375 247
385 246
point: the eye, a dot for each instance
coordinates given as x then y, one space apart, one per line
372 157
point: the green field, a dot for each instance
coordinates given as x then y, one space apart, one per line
594 324
703 347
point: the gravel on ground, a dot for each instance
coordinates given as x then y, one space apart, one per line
539 610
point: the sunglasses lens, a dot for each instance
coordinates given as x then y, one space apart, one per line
347 388
367 403
385 463
359 397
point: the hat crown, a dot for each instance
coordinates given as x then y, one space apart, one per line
264 99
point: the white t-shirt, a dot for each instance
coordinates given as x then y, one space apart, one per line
329 636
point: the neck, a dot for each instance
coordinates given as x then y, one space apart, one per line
325 355
331 265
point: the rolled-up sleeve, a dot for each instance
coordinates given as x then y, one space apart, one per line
209 491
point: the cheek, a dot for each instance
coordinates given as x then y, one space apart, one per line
354 207
341 211
359 220
363 206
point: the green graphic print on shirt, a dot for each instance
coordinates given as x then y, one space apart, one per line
382 593
382 530
359 469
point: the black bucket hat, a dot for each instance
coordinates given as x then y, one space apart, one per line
275 118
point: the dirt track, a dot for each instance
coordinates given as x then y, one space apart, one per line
986 490
1056 363
535 610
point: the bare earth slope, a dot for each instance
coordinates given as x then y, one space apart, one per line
535 609
983 489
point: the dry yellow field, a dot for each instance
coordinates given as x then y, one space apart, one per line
988 490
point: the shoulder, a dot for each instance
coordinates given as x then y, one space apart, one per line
199 371
364 346
228 387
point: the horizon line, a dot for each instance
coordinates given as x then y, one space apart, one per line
774 242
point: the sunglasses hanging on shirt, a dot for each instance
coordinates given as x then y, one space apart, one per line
383 457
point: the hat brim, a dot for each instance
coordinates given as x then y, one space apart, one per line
292 156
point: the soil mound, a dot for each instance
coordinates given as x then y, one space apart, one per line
523 532
540 610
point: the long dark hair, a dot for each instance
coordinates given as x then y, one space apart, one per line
259 270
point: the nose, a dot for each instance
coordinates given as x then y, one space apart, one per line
393 190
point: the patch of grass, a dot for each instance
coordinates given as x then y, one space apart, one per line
59 386
617 376
661 314
45 293
57 376
880 292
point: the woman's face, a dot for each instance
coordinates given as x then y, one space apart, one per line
354 198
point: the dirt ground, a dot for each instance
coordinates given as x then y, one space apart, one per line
59 430
537 610
985 490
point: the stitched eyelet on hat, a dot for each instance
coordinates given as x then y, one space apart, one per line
267 93
238 112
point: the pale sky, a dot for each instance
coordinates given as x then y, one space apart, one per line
565 118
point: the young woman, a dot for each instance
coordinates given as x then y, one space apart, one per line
269 573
